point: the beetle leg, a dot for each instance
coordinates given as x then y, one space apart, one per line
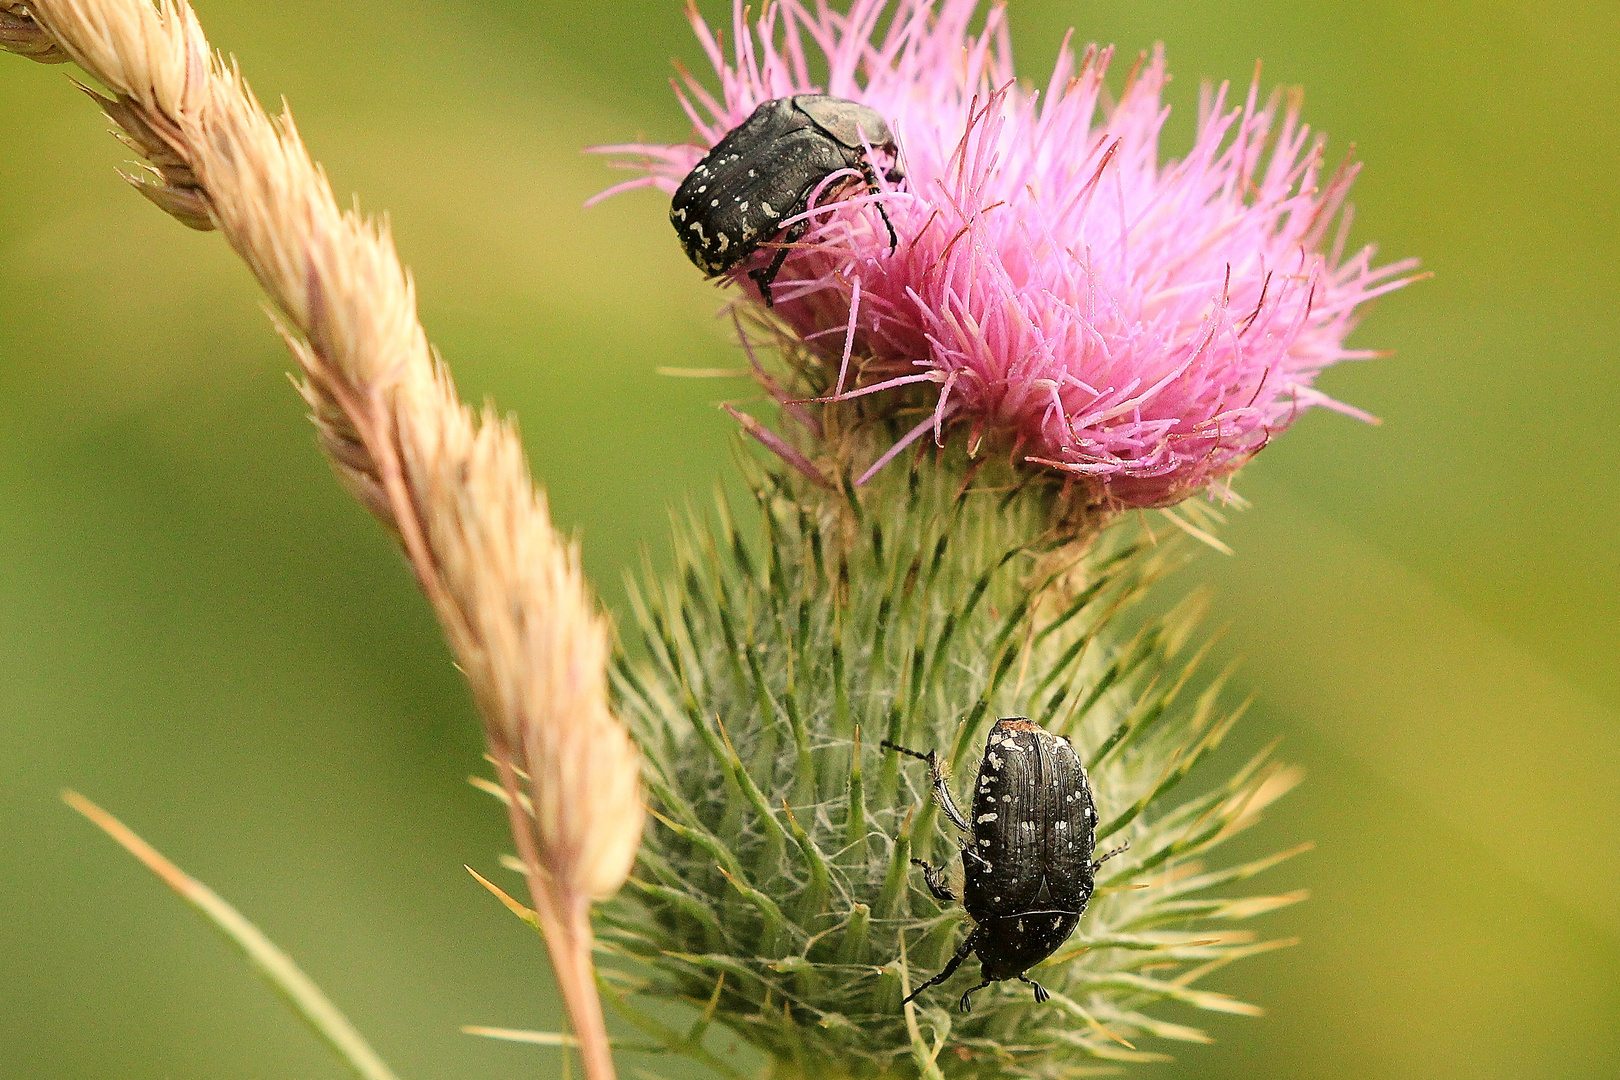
942 792
966 1004
1041 996
1097 865
872 186
936 881
764 277
955 962
936 775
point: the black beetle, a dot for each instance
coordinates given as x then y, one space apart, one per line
765 170
1027 867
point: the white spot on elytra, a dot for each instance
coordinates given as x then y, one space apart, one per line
982 818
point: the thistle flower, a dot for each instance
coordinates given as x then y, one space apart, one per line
1138 326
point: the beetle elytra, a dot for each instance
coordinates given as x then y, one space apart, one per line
765 170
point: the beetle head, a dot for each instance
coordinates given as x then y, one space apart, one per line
849 122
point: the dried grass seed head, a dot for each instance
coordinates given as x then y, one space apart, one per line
508 590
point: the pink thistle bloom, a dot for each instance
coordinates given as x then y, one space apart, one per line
1142 326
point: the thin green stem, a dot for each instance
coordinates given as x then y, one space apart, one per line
284 974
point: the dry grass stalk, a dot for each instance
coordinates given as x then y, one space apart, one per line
454 486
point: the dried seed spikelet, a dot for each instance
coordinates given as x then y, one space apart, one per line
540 680
454 486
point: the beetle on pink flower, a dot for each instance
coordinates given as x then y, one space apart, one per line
1142 327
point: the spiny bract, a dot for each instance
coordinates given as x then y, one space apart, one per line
775 891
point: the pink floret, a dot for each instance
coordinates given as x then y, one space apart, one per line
1143 326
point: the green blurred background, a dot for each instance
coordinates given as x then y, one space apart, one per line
198 630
